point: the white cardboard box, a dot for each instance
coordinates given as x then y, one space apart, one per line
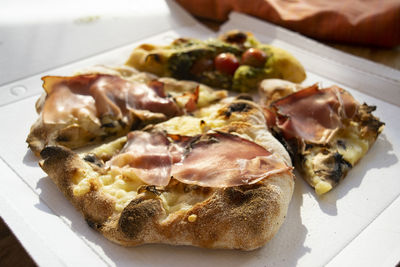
355 223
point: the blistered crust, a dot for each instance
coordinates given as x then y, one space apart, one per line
62 165
242 217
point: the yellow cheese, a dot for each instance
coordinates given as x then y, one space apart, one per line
206 96
356 147
190 126
109 149
348 142
322 187
82 188
201 121
122 185
185 125
192 217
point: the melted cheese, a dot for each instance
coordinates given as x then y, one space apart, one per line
209 96
174 202
116 184
121 186
355 147
201 121
107 150
190 126
85 180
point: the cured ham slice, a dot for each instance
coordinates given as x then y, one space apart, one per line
208 160
224 160
147 155
313 114
97 95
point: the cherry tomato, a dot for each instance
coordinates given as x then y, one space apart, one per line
254 57
226 63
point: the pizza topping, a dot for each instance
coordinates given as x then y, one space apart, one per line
313 114
158 87
226 63
202 65
62 104
205 160
147 155
193 98
98 95
210 162
254 57
192 218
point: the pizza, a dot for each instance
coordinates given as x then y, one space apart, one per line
147 156
235 60
162 184
162 170
325 130
102 103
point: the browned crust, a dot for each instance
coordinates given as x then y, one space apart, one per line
370 126
243 217
62 165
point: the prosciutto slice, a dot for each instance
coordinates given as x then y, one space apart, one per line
313 114
224 160
209 160
96 95
146 155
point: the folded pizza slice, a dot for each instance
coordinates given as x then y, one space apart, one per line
223 181
103 103
325 130
235 60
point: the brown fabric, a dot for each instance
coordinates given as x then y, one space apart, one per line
368 22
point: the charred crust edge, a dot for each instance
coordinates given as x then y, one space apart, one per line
94 225
137 215
55 153
240 195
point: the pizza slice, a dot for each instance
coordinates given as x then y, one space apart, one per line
102 103
325 130
236 60
215 178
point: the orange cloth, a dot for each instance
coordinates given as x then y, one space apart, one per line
368 22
